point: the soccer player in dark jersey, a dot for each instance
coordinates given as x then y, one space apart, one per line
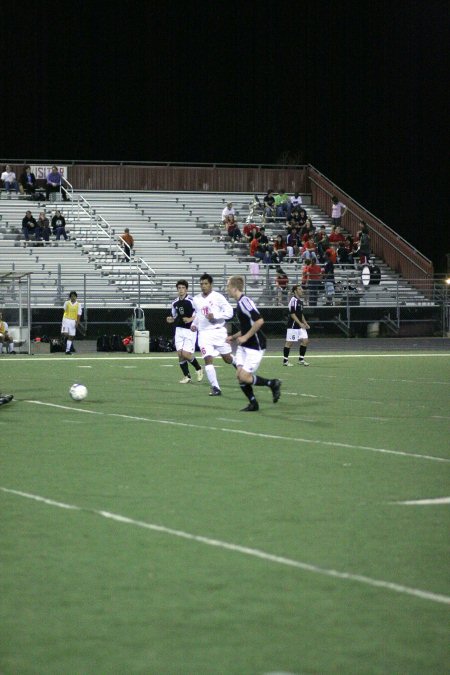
296 328
251 343
182 316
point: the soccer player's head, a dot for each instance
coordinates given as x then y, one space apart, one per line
182 287
297 291
206 282
235 286
73 296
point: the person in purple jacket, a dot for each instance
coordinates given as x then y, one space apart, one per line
54 181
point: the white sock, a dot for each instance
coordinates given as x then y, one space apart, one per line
211 375
68 345
11 346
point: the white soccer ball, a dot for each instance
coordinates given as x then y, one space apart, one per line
78 392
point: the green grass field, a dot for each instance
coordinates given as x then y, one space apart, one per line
205 540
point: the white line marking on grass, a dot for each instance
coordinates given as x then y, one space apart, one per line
440 417
189 425
85 366
426 502
236 548
294 393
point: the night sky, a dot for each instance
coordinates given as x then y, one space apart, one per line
358 93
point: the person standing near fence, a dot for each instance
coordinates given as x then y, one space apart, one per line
127 242
71 319
296 328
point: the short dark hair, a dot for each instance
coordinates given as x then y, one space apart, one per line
182 282
206 277
73 293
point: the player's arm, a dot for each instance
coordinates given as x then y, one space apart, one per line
305 323
234 336
242 339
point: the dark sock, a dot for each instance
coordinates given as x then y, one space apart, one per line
248 391
302 352
261 381
286 351
185 368
196 364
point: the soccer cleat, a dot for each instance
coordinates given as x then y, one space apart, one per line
200 375
252 407
276 390
302 362
185 380
68 353
215 391
5 398
286 363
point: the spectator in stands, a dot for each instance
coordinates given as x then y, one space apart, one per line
322 240
281 204
228 213
233 231
328 276
312 279
54 181
308 250
28 181
364 248
59 225
331 253
338 210
279 249
269 205
44 226
29 226
294 203
336 235
6 339
307 230
343 254
254 243
126 241
292 244
248 230
281 285
9 180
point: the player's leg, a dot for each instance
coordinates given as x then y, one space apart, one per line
205 342
188 353
291 337
179 345
303 347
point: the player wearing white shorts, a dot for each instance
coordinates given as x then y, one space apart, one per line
296 328
182 314
212 310
71 319
6 338
251 343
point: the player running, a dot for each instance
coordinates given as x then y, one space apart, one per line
182 316
251 346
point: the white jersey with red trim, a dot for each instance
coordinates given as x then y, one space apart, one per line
213 303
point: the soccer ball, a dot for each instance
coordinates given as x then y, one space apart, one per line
78 392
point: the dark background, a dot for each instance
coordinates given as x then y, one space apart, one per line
358 93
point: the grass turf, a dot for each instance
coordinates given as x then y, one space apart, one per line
307 479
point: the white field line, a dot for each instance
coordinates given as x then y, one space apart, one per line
390 355
313 441
236 548
426 502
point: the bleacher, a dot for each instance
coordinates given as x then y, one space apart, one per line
177 235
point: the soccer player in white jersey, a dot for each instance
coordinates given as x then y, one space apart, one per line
212 310
71 319
251 343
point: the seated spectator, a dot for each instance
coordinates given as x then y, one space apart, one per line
307 230
331 254
301 218
30 227
59 225
322 242
233 231
54 181
227 213
281 204
28 181
9 180
248 230
263 254
269 205
292 244
126 241
308 250
6 339
281 284
44 226
294 203
279 249
254 246
336 235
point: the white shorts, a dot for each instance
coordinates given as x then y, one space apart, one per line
69 326
185 340
296 334
213 342
249 359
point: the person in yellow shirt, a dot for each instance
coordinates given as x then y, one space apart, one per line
71 319
5 337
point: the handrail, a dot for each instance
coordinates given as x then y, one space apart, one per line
398 236
74 162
